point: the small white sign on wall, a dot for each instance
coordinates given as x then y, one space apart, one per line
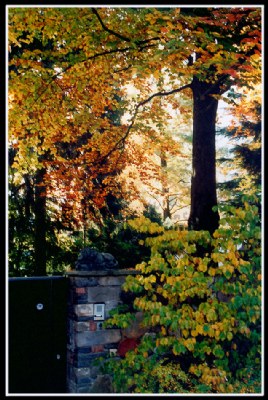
98 312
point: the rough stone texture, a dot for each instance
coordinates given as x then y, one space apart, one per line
80 290
84 310
103 384
87 339
97 348
84 282
90 259
81 326
111 280
82 375
92 326
101 294
109 306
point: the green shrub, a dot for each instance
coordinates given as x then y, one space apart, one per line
201 300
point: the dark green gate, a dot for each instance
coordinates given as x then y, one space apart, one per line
37 334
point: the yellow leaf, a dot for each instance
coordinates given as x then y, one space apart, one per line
185 332
193 369
152 278
189 343
202 267
199 329
229 335
155 319
212 271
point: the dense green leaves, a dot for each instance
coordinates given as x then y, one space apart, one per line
202 313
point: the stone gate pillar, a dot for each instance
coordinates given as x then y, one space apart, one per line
92 294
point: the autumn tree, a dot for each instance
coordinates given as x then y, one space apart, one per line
204 52
211 61
68 64
47 111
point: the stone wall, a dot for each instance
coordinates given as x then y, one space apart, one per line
90 293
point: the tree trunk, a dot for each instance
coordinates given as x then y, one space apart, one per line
165 188
40 223
203 185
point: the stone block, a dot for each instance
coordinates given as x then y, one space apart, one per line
80 290
80 298
92 326
83 388
84 310
102 384
83 360
83 350
97 348
71 386
101 294
84 282
81 326
111 280
86 360
79 295
110 305
81 378
81 372
85 339
82 363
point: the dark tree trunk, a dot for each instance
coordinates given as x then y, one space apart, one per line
29 196
165 188
40 223
203 185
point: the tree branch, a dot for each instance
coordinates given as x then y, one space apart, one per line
155 198
118 35
136 110
107 29
104 53
158 94
180 208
